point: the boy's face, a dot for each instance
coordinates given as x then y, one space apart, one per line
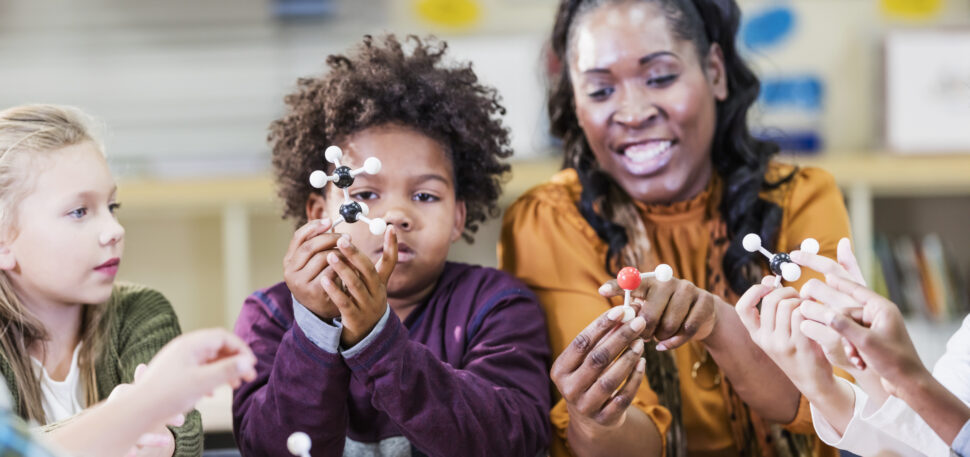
414 192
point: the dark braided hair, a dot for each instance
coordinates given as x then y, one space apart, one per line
383 81
739 158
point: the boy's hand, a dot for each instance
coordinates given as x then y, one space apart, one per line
365 299
305 260
776 329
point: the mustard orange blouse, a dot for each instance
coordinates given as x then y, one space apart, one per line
546 242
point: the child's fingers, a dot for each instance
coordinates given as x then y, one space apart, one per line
783 315
817 312
139 371
360 262
351 281
351 278
827 339
385 266
307 230
819 263
153 439
306 251
769 307
848 261
747 306
177 421
862 294
822 292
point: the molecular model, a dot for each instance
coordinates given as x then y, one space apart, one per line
780 264
343 177
629 279
299 444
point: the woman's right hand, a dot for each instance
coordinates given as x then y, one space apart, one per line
305 261
600 371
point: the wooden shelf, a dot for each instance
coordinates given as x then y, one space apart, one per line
897 175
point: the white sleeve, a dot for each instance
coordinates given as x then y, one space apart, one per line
895 418
861 437
953 368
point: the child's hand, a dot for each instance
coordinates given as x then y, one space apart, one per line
305 260
675 311
159 442
885 345
846 267
776 330
192 366
365 299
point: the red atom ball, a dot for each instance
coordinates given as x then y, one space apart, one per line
628 278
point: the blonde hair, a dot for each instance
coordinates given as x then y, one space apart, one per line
28 132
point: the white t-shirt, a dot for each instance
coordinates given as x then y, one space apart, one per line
61 399
893 428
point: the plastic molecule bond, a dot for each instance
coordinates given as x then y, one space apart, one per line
343 177
299 444
629 279
780 264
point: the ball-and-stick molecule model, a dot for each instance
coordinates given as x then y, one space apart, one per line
299 444
780 264
629 279
343 177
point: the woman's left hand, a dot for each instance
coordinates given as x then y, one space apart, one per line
676 311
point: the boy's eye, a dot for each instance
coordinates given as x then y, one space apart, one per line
425 197
78 213
364 195
114 207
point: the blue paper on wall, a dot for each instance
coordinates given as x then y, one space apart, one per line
768 27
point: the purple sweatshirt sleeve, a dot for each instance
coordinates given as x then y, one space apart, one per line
298 387
496 403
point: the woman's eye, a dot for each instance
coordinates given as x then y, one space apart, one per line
78 213
602 93
364 195
661 80
425 197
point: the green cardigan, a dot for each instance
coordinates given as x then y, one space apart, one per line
141 321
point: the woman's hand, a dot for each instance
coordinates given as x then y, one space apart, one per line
674 312
881 336
599 372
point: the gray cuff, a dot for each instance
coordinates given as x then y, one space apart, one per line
350 352
325 335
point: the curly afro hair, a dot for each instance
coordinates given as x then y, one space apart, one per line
380 83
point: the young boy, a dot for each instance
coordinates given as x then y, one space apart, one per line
379 346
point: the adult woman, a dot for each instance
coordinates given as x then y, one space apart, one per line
660 167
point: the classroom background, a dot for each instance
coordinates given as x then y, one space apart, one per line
877 92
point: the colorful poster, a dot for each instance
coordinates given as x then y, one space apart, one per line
449 13
912 9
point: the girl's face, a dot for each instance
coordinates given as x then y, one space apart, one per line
644 100
414 192
68 243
